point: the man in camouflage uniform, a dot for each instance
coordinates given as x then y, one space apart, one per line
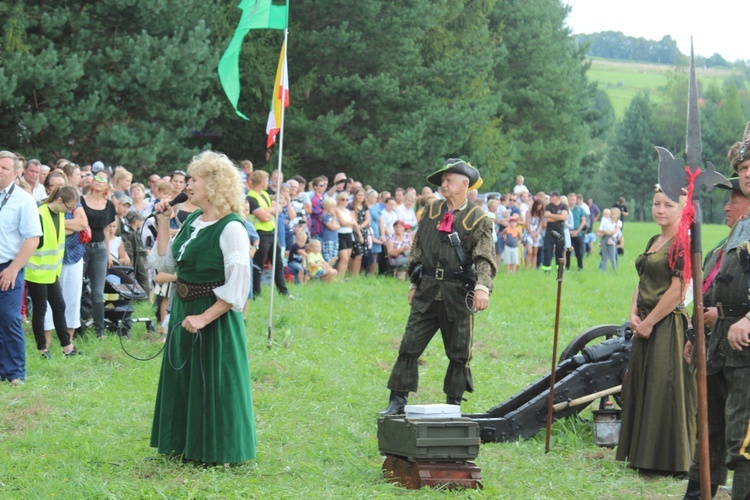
452 255
729 342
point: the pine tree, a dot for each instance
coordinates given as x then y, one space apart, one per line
632 163
545 92
121 82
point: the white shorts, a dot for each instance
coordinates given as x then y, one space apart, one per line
510 255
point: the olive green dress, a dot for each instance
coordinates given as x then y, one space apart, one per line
659 393
204 409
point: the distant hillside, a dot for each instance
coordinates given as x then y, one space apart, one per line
616 45
622 80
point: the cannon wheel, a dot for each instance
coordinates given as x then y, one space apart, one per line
577 344
581 341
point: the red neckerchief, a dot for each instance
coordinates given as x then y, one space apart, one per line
446 224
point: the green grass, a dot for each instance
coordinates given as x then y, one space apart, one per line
80 427
622 80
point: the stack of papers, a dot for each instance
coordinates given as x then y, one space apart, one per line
433 411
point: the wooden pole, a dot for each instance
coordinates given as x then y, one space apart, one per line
553 374
587 398
699 350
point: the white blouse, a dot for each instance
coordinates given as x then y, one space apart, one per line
235 246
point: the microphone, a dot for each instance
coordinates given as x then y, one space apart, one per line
180 198
556 235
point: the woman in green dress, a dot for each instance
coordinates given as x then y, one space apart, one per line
659 394
203 404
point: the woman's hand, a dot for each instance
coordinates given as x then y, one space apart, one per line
194 323
643 330
163 212
109 261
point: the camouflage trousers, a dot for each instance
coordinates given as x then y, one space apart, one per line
457 341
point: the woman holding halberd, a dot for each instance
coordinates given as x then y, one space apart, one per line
659 393
203 404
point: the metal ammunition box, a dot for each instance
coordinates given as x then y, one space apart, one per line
429 439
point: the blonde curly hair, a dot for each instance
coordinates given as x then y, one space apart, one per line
223 182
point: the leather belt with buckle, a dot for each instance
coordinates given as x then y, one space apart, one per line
191 291
732 311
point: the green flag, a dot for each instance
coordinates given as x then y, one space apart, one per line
256 15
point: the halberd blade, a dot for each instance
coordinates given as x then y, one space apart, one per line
672 175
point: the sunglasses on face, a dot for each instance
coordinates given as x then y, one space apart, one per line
101 178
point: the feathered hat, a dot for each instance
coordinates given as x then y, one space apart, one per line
741 150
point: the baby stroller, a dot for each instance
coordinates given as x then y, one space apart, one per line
120 289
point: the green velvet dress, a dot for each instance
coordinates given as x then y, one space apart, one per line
204 409
659 393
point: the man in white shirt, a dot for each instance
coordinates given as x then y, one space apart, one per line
31 174
20 230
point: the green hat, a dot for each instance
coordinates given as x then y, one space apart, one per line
457 166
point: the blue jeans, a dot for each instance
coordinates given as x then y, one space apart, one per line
609 253
12 341
95 267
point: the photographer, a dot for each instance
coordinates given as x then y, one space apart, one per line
338 185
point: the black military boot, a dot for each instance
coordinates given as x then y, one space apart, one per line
453 400
396 404
693 491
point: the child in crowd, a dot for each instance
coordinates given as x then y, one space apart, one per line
330 246
297 255
163 288
317 267
254 238
511 236
116 248
131 241
607 230
491 208
164 191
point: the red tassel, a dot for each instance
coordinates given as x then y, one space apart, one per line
681 245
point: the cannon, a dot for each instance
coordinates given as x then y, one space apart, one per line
584 374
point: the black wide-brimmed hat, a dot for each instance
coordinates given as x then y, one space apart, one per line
457 166
735 182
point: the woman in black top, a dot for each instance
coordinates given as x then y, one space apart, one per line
100 213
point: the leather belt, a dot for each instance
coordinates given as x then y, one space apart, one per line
440 274
733 310
191 291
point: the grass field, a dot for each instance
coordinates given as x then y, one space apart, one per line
622 80
80 427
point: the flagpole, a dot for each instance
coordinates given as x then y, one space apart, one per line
278 197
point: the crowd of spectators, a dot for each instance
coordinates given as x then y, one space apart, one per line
321 230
